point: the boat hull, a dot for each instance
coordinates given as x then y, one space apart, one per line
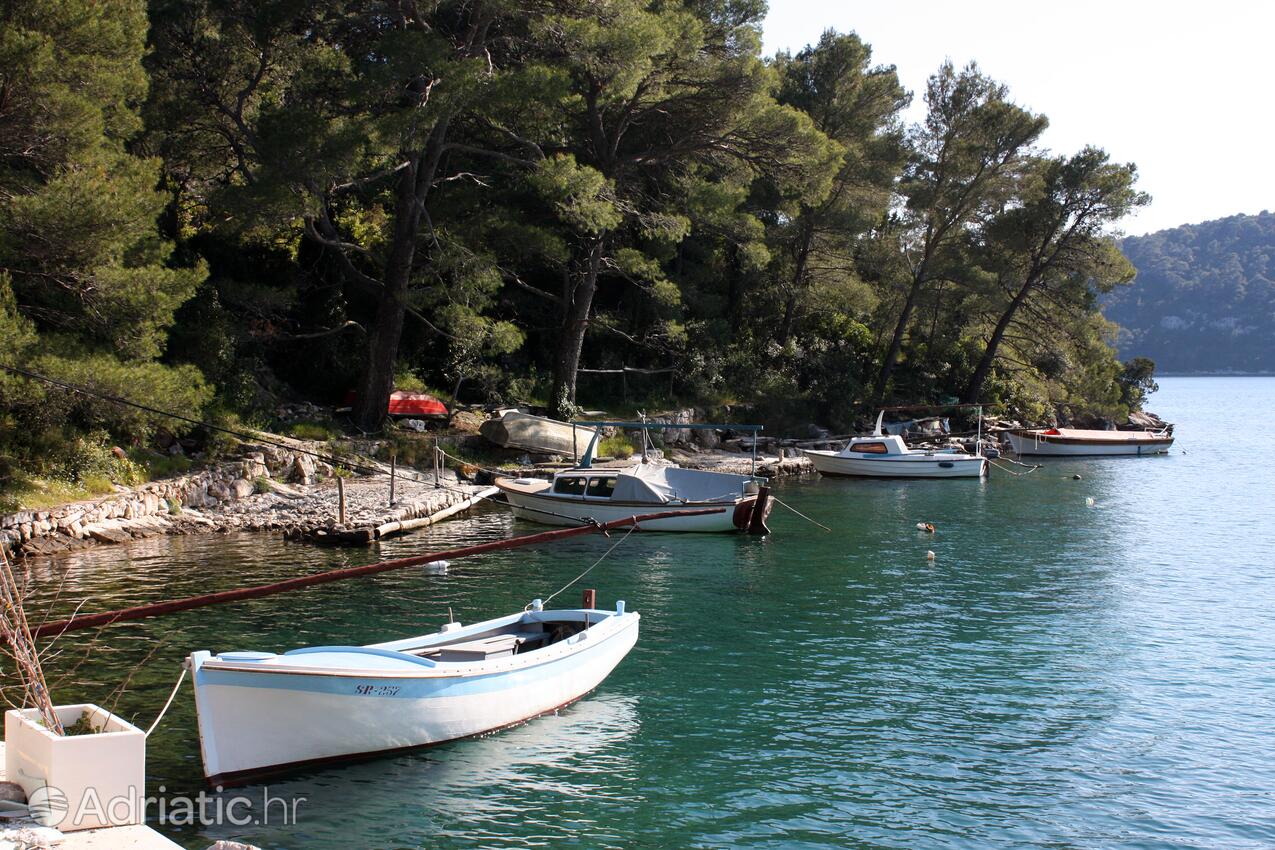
547 510
260 723
910 466
1047 445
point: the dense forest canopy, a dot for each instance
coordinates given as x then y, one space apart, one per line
1204 298
219 205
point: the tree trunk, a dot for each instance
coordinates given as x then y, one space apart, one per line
975 386
575 322
372 405
896 341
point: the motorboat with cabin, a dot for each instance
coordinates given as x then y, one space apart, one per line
1084 442
586 493
265 713
883 455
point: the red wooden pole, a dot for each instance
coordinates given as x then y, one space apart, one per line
140 612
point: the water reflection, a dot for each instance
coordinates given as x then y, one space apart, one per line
491 784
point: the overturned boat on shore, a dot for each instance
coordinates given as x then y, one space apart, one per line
262 713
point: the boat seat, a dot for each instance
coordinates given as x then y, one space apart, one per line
496 646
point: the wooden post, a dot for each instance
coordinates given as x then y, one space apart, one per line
436 484
393 473
340 501
590 598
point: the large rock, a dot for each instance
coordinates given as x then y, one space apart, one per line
537 434
707 439
302 470
241 488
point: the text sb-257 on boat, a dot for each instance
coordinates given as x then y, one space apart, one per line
587 494
883 455
262 713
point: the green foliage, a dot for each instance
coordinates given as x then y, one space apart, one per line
484 198
1137 381
1204 298
617 446
313 430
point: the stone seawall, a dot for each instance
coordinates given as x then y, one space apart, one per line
173 505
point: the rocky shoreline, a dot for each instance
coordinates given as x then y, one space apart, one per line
288 490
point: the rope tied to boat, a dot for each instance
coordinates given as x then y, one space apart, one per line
614 546
996 462
171 697
775 498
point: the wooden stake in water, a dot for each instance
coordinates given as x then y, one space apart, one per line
340 500
393 473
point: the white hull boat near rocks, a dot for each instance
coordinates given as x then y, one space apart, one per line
1079 442
883 455
262 713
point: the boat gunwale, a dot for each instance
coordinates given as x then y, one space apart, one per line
611 624
1063 440
606 501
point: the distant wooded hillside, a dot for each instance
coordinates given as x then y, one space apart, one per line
1204 298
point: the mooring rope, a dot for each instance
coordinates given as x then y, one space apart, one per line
1030 467
83 621
171 696
614 546
775 498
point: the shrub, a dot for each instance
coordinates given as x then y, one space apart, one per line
313 430
618 446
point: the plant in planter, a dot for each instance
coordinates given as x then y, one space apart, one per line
80 765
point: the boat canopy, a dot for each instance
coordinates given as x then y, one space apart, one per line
651 483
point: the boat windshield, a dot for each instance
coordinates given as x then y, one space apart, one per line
869 448
570 485
601 487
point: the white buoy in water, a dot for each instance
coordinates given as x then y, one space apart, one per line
925 526
1089 501
437 568
929 556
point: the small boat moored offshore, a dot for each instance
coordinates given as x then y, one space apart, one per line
262 713
883 455
1078 442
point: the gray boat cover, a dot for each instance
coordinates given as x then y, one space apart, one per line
661 484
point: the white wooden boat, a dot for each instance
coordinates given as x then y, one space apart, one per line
883 455
1078 442
262 713
583 494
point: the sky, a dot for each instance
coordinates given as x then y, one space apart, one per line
1184 90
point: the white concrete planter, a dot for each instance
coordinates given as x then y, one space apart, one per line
78 781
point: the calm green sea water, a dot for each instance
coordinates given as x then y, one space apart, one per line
1060 676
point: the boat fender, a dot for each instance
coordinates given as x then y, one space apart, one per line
1089 501
929 555
925 526
437 568
1076 477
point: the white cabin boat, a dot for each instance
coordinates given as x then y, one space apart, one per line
1079 442
579 495
712 501
262 713
883 455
